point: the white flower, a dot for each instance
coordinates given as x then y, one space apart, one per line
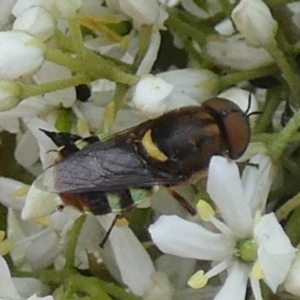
14 288
245 246
63 9
234 53
150 96
20 54
9 94
37 21
292 282
5 11
254 21
155 95
145 12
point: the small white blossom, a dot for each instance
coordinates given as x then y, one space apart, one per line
37 21
5 11
145 12
20 54
9 94
155 95
254 21
234 53
239 201
66 9
150 96
292 282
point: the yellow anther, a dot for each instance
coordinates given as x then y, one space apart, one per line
257 217
151 148
83 127
20 192
44 221
122 222
6 246
205 211
2 235
198 280
257 272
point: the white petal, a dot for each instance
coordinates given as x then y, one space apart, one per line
145 12
234 53
46 145
235 285
257 182
176 236
292 282
275 252
39 204
198 84
8 289
29 286
255 285
151 55
7 187
150 96
27 150
21 54
254 20
43 249
133 261
37 21
51 72
225 188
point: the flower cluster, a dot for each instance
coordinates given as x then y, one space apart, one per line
106 104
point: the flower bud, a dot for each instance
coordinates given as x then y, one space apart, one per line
255 22
234 53
9 94
150 96
20 54
37 21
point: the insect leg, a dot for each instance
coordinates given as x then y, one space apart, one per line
109 230
183 202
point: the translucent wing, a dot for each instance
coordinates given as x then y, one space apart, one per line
98 169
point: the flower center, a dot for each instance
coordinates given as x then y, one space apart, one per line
246 250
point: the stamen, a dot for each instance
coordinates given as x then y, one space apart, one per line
20 192
198 280
205 211
257 272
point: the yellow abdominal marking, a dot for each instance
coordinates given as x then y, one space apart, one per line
151 148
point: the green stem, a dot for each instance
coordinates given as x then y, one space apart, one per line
283 212
290 75
40 89
112 108
234 78
284 137
93 66
186 29
145 39
72 242
271 104
98 288
76 34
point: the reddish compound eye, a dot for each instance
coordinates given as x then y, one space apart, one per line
233 123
